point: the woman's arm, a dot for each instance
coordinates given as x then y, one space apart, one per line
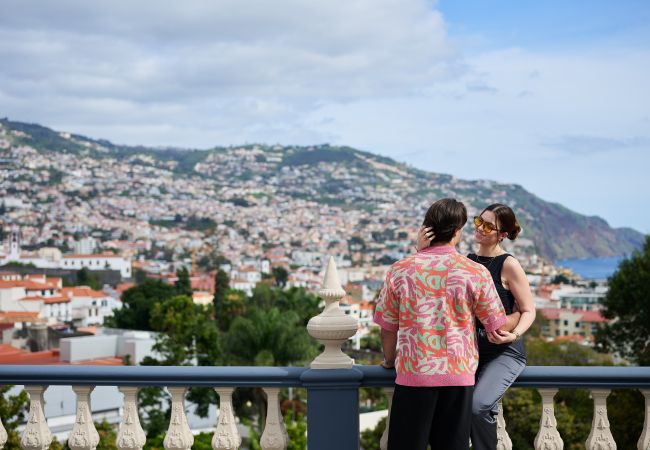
517 283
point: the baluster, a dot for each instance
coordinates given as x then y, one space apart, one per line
644 440
600 436
83 436
179 436
548 438
383 442
130 436
3 435
274 436
37 435
503 440
226 436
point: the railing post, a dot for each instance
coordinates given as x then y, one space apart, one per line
83 436
274 436
383 442
503 440
130 436
600 436
3 435
179 436
332 408
37 435
548 438
644 440
226 436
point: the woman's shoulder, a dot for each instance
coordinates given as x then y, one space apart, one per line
511 264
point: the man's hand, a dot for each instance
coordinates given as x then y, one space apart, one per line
501 337
387 364
425 234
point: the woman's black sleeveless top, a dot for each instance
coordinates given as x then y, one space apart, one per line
495 266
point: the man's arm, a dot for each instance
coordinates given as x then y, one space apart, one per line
389 346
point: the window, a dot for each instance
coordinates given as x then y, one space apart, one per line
557 332
577 324
566 323
566 333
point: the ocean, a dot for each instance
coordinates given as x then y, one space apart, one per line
592 268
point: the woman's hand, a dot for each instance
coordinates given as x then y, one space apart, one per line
501 337
425 234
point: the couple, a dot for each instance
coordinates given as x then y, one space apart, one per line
451 327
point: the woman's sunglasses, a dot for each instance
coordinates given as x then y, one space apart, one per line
488 227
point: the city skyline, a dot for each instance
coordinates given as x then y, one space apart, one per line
549 96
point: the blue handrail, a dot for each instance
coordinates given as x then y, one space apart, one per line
242 376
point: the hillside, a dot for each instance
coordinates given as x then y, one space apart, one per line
349 180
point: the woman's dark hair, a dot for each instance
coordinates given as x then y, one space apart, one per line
506 220
445 217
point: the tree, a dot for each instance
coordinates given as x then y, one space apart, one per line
221 287
137 303
627 305
86 278
231 305
13 409
183 285
281 276
140 276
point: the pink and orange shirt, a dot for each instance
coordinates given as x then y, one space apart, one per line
432 299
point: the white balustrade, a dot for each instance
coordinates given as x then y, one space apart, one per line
332 327
644 440
83 436
383 442
37 435
600 437
130 435
548 438
226 436
275 435
179 436
3 435
503 440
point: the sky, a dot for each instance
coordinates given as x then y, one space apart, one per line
550 95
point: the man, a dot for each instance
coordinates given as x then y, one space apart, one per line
427 310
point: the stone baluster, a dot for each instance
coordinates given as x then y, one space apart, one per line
83 436
548 438
37 435
226 436
130 436
644 440
383 442
3 435
179 436
600 436
275 435
332 327
503 440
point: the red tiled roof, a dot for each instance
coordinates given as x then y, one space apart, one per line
47 300
12 355
585 316
82 291
18 316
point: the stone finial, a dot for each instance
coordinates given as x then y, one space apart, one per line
332 327
548 438
37 435
600 436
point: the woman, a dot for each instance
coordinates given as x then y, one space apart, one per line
501 353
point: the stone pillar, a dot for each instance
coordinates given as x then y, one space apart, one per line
503 440
3 435
179 436
130 436
383 442
600 437
275 435
332 327
548 438
226 436
644 440
83 436
37 435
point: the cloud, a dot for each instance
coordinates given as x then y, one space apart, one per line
588 145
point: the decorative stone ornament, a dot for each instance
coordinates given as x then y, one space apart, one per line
37 435
548 438
332 327
83 436
226 436
644 440
383 442
503 440
275 435
130 436
600 437
179 436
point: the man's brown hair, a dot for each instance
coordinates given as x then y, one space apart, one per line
445 217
